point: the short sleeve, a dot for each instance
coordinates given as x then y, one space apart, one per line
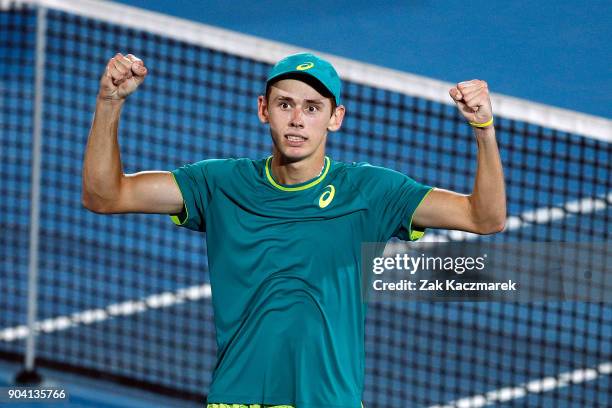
413 196
394 197
196 186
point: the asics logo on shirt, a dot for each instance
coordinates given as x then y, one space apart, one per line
327 196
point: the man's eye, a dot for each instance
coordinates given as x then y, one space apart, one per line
312 109
284 105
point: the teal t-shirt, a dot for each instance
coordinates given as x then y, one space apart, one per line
285 273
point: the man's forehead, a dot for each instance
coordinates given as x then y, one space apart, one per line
295 89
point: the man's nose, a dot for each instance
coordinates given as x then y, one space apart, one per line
297 120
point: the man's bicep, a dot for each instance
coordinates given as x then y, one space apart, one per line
445 209
150 192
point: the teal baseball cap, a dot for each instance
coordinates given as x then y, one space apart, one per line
308 65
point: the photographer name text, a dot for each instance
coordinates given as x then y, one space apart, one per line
443 285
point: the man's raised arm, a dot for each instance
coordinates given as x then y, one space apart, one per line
105 188
484 210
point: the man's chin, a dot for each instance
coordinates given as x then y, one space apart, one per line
293 155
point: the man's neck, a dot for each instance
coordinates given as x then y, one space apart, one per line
289 173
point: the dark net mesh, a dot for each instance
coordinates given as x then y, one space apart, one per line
127 295
17 49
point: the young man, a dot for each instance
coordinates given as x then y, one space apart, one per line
284 233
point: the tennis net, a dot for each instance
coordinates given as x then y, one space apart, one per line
128 296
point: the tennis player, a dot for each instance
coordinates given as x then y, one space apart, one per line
284 233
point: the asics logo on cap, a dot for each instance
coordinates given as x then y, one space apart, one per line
305 66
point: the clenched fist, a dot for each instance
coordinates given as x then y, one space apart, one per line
122 76
472 99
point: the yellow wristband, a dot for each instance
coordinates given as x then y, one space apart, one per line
482 125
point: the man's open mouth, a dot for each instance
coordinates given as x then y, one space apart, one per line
295 139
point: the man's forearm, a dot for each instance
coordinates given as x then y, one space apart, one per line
102 169
488 198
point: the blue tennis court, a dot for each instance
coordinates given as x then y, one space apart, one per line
128 296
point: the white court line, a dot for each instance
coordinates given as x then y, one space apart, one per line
541 215
127 308
531 387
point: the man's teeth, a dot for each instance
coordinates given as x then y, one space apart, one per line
295 138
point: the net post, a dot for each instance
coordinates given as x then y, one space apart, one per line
29 375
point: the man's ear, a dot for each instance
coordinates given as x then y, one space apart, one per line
262 109
336 119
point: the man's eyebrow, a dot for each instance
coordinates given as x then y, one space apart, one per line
315 101
290 99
